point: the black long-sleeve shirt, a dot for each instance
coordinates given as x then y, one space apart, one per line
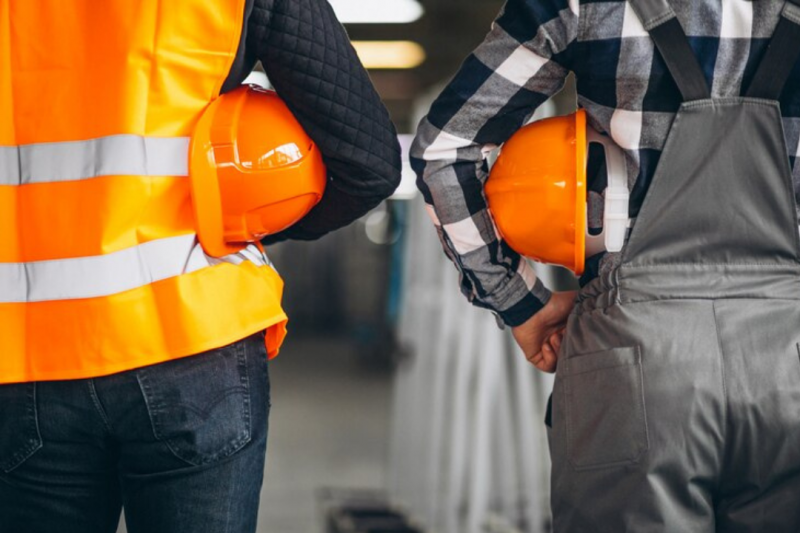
309 60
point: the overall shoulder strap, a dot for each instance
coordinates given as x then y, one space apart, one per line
663 26
781 55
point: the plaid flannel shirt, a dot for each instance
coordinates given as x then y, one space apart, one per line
622 83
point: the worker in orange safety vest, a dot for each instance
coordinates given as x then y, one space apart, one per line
133 350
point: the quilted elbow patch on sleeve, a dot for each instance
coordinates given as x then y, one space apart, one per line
313 66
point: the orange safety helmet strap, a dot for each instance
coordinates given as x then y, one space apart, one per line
206 197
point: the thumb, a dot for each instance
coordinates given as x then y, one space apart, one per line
546 360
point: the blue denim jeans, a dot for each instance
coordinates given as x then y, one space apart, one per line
180 445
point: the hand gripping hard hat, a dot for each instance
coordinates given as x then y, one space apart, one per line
253 170
537 192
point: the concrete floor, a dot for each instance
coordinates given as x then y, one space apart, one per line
329 428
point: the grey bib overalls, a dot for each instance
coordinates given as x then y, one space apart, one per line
676 406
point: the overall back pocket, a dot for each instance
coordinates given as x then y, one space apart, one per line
606 421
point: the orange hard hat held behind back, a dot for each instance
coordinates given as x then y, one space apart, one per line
254 170
537 192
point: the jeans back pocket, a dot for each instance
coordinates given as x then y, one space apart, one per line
199 406
606 421
19 425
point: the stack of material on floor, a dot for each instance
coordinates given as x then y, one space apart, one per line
363 512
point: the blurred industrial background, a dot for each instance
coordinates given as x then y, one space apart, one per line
397 407
444 30
392 389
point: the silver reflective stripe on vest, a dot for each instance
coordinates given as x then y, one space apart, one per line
116 155
105 275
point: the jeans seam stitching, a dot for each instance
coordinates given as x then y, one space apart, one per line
34 445
145 389
243 440
97 405
245 379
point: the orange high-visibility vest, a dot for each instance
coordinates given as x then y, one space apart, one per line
100 268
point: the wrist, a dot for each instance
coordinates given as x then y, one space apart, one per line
531 305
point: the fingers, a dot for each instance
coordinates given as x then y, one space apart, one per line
550 357
555 340
540 344
546 360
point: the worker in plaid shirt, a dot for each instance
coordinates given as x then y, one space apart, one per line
628 93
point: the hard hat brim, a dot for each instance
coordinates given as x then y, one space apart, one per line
206 200
581 156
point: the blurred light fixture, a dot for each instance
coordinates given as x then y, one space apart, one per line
390 54
377 11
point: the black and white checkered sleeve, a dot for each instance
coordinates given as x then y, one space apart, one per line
523 61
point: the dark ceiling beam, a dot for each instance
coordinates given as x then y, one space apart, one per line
449 31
